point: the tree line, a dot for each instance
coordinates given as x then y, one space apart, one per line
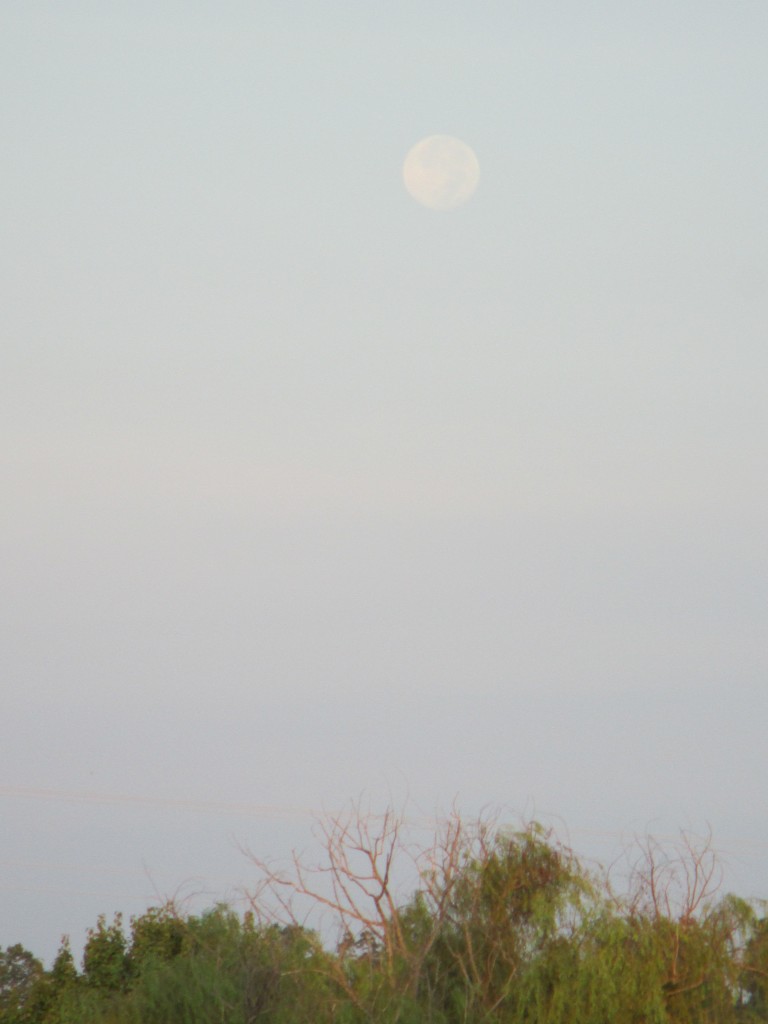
501 926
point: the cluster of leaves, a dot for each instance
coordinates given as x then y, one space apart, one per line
216 967
503 928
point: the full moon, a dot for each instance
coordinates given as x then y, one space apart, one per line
441 172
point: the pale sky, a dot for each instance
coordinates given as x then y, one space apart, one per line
308 491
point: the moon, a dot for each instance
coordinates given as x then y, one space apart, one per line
441 172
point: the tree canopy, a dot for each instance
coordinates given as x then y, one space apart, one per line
502 926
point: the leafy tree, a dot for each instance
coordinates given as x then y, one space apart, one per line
158 935
504 927
105 960
20 972
64 973
510 913
54 988
753 1002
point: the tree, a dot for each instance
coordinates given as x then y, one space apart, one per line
158 935
754 972
64 972
381 945
487 903
105 961
507 921
479 924
20 972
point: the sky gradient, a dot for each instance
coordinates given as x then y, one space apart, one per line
307 491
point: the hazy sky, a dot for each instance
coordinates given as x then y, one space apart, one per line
308 491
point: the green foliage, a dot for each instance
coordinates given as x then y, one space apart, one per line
753 979
105 960
227 970
157 936
515 901
505 928
20 974
64 973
